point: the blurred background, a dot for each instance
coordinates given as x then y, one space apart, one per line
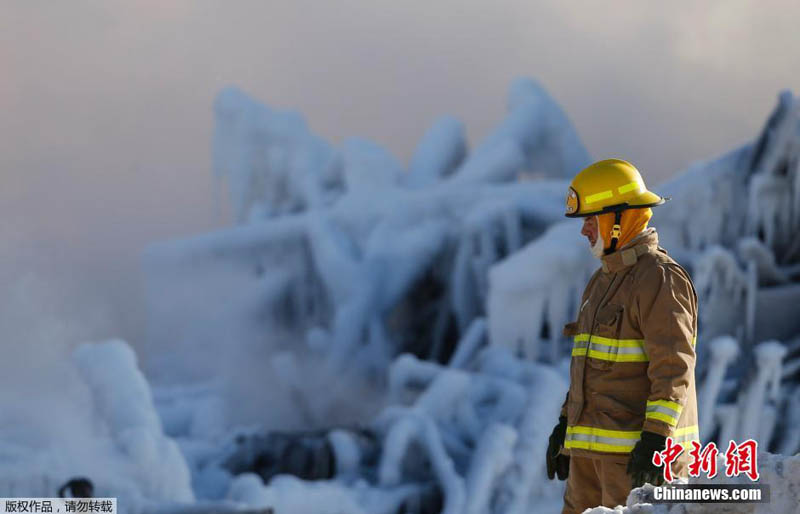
312 254
106 106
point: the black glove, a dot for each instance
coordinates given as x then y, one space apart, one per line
640 466
557 464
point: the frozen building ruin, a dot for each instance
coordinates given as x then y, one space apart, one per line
380 338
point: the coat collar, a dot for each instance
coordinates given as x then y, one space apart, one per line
626 256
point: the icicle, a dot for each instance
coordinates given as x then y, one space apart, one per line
461 280
795 226
790 443
723 351
557 308
512 230
768 356
751 298
728 419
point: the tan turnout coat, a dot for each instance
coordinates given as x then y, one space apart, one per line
633 355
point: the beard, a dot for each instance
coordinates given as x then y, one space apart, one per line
598 246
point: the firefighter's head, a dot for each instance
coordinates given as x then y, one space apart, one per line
611 197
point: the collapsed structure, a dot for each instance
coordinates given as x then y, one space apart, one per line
463 257
369 338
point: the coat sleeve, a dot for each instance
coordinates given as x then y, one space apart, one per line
570 330
667 310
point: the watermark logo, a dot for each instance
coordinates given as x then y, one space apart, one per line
739 459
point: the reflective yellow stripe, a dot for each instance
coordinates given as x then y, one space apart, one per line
677 407
597 446
685 435
620 441
633 186
610 342
599 196
691 429
687 445
664 410
666 418
613 357
623 434
598 439
607 349
581 350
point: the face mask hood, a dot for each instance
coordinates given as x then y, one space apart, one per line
597 248
632 223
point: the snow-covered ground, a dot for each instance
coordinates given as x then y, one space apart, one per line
377 338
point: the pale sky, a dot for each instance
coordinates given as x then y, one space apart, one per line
105 106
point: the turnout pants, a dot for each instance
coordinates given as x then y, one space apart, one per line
595 482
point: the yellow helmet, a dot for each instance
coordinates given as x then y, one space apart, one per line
612 185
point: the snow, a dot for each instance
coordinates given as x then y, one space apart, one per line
289 494
120 446
122 398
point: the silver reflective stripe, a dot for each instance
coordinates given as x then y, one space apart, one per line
592 438
616 349
664 410
608 349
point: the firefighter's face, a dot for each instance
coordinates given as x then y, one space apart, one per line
590 229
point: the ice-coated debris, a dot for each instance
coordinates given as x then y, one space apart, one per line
370 338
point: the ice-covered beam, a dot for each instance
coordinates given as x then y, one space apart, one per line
492 457
539 127
414 426
722 352
271 159
441 150
468 345
722 290
762 389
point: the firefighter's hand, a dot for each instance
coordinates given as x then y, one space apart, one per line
557 464
640 466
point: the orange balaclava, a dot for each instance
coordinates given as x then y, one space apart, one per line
632 223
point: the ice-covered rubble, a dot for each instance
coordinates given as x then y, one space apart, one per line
781 473
370 338
121 449
458 261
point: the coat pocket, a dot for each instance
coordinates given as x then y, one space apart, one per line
605 333
608 321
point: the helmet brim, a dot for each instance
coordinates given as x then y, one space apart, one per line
646 199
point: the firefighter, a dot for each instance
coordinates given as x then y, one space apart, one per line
632 379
